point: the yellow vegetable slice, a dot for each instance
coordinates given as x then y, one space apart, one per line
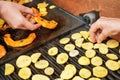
62 58
64 40
89 39
72 67
112 56
112 65
100 72
96 61
19 43
85 34
42 8
52 7
49 71
23 61
83 60
35 57
69 47
40 77
67 74
41 64
79 41
85 73
103 50
75 36
25 73
87 45
78 78
93 78
41 5
119 62
1 23
90 53
112 43
53 51
9 69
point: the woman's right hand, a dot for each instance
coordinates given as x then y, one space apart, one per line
105 27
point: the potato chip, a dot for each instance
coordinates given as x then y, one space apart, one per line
69 47
83 60
49 71
64 40
85 34
96 61
73 53
40 77
23 61
9 69
90 53
41 64
35 57
93 78
112 65
75 36
87 45
62 58
53 51
85 73
112 43
112 56
78 78
100 72
25 73
79 41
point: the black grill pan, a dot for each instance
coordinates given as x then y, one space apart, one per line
68 24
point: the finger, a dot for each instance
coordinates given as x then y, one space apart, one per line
102 36
28 16
31 26
93 31
33 21
24 9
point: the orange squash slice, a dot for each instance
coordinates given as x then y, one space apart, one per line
19 43
2 51
45 23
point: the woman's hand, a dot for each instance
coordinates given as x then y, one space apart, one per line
17 16
105 27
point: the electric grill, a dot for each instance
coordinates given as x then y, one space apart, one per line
67 25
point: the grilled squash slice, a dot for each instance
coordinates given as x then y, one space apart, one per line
19 43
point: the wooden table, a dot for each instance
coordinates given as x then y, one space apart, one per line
108 8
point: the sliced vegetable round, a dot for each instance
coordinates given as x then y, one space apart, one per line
23 61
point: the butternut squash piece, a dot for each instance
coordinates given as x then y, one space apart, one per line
19 43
